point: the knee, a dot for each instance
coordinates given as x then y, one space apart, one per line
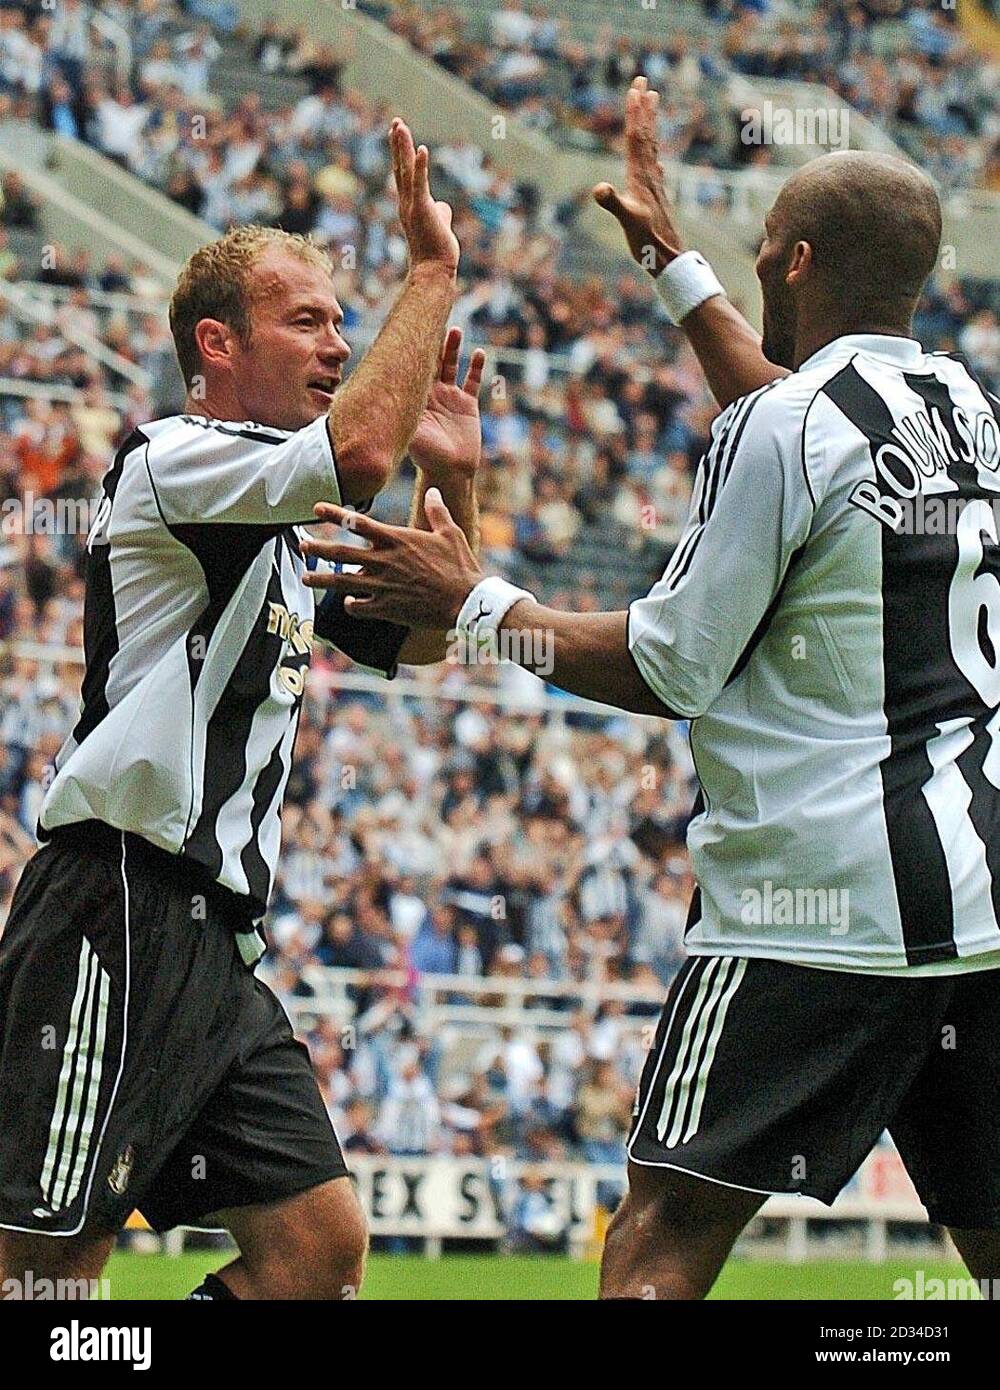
347 1249
643 1259
324 1254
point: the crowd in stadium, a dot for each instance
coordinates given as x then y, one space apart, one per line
437 836
934 96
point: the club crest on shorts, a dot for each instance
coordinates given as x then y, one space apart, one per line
121 1171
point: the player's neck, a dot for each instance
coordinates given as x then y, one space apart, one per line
196 403
216 403
811 338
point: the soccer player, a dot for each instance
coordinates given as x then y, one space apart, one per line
142 1064
839 661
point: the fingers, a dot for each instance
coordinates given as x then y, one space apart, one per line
448 365
608 197
373 607
421 179
351 520
335 553
435 510
448 370
641 106
341 583
407 154
474 376
401 147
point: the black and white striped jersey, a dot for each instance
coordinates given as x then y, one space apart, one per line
830 621
198 631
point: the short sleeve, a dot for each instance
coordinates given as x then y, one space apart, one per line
751 510
207 471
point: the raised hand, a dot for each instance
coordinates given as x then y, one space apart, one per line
426 223
449 436
643 210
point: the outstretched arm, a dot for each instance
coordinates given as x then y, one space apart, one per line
678 646
374 415
727 346
584 653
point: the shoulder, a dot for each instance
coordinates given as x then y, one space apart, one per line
772 417
197 436
230 429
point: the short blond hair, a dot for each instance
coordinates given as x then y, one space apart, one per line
217 283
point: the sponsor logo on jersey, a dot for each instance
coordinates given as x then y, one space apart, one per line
298 633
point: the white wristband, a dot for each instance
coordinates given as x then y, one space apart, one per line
485 609
685 283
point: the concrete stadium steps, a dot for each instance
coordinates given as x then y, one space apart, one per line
89 201
235 75
439 106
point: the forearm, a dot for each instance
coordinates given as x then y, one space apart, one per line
459 493
585 654
425 646
374 416
729 350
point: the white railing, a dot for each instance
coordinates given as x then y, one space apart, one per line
534 698
113 300
330 979
29 309
360 336
74 211
51 391
459 1001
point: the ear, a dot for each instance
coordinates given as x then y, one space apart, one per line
800 264
216 342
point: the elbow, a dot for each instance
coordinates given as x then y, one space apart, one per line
363 470
674 698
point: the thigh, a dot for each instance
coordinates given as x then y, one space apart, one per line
778 1078
947 1128
71 1263
311 1245
63 991
117 1020
262 1135
672 1234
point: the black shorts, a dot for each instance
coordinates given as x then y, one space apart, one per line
780 1078
142 1064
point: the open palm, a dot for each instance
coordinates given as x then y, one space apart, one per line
449 435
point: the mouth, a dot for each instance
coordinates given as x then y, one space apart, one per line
324 386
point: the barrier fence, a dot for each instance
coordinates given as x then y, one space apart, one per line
440 1198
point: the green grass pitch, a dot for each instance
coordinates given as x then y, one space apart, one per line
485 1277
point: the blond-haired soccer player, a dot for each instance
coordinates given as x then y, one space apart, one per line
175 1085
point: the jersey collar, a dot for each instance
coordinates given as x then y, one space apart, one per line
905 352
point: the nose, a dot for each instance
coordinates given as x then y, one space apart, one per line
332 353
337 349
